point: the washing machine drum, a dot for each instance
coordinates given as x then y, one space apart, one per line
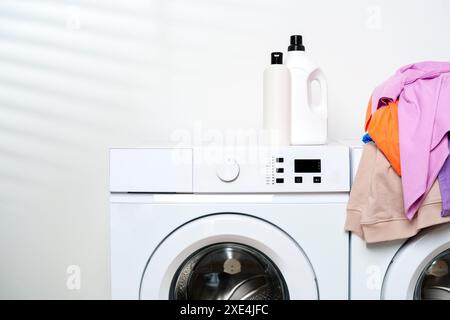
228 271
434 282
228 257
421 268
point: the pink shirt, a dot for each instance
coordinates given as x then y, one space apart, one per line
423 90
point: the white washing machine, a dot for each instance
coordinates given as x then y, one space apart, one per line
417 268
229 223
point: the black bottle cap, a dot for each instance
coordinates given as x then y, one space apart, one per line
296 43
276 58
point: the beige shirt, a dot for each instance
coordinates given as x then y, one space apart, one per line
375 209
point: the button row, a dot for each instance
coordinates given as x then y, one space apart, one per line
279 170
300 180
315 179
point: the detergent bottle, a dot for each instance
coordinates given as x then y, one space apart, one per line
308 112
276 101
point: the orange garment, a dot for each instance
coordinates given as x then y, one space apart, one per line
382 127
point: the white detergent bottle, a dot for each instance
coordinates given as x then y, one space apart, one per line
276 102
308 112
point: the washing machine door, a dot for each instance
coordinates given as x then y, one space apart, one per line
228 257
420 270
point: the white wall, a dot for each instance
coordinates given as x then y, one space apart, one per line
79 76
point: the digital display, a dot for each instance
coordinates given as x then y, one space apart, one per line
307 166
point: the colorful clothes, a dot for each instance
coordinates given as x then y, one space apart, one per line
423 94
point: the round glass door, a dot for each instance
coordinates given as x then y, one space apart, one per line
228 271
434 282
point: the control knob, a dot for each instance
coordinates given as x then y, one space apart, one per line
228 170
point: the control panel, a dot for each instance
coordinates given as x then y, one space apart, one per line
304 170
290 169
285 169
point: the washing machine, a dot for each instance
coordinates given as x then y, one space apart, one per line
415 268
229 224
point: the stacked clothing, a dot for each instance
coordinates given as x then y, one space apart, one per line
403 181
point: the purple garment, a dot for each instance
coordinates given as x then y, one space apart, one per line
444 186
423 90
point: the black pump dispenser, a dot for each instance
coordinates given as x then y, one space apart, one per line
296 43
276 58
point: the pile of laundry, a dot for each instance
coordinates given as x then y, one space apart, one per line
403 180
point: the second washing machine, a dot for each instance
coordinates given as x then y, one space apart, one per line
409 269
